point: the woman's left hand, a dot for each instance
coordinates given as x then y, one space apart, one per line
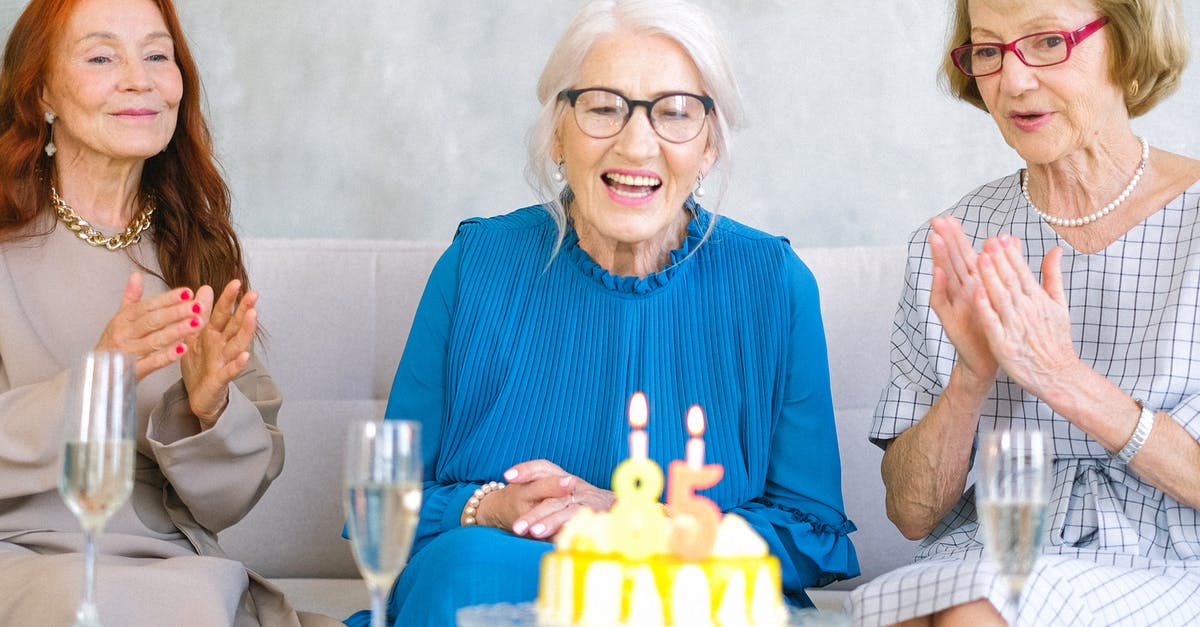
1028 325
545 519
219 352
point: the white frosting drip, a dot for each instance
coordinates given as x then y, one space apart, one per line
602 595
732 610
690 603
645 604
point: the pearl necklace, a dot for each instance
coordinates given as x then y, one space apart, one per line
1056 221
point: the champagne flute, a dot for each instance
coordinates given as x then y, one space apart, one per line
1013 491
383 498
98 439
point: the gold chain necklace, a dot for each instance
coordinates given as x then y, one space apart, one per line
86 232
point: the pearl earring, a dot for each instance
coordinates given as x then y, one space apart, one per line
50 147
558 174
699 191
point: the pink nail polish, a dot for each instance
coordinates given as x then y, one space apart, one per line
179 349
195 322
510 474
196 308
185 295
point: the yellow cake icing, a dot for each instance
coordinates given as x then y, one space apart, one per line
585 581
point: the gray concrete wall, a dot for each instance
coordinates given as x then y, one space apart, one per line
398 118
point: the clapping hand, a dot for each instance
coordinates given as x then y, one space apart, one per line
956 283
219 352
994 310
153 329
1028 325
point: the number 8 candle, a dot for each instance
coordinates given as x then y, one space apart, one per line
637 521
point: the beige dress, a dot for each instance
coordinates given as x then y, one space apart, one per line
159 561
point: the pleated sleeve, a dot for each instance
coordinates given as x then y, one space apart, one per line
801 513
419 393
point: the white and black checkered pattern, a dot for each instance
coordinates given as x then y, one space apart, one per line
1118 550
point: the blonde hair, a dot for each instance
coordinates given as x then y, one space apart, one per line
680 21
1147 38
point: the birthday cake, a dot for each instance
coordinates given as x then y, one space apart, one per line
646 564
585 581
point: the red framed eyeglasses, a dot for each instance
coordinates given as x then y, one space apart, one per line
1036 50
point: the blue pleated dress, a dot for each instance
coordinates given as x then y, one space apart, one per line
517 354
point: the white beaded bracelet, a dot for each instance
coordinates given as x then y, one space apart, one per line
1140 433
468 513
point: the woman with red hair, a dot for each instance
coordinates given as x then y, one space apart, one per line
111 201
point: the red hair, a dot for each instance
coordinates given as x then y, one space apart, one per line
192 227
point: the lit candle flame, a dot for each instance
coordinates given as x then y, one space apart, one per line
695 421
639 410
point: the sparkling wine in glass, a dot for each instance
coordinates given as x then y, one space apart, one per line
1014 487
98 451
383 499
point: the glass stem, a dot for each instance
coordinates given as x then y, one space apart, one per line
1013 607
87 616
89 568
378 615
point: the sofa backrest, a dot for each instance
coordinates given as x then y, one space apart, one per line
859 288
337 313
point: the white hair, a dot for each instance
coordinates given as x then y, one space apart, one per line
682 22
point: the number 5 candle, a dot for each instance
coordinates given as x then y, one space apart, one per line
696 517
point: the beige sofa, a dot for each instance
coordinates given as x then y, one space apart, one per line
337 313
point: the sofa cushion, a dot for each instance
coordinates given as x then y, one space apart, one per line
338 312
296 529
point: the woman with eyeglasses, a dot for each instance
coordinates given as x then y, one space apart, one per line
1064 298
537 326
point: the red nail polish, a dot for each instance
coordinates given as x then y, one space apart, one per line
179 349
185 295
196 308
195 322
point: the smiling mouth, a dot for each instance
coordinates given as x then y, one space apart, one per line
631 186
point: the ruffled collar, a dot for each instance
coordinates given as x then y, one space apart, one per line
696 228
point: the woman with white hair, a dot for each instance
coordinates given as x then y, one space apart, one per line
537 326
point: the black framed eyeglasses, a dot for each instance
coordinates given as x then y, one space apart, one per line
602 113
1036 50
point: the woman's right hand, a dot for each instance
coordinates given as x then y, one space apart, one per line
539 499
925 467
956 279
152 329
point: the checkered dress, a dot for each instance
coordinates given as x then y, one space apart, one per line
1117 550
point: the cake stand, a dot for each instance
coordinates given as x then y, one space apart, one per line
525 615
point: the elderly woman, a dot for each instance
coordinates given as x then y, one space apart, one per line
110 201
536 326
1077 316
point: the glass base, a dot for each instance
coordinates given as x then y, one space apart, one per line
87 616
